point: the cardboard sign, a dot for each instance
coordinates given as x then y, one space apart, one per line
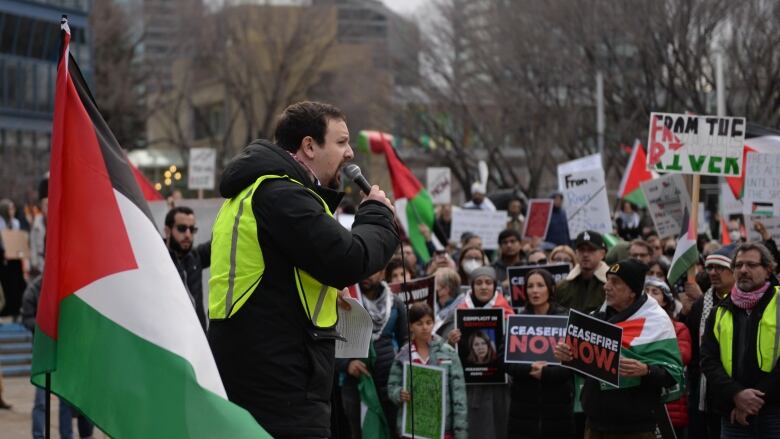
203 163
417 290
667 198
481 345
487 225
595 347
531 338
429 400
537 219
16 244
690 144
762 184
585 200
439 184
516 276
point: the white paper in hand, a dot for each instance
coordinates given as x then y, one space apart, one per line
355 325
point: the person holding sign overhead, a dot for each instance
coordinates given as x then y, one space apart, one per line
649 360
542 403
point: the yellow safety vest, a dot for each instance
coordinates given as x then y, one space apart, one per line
767 339
237 263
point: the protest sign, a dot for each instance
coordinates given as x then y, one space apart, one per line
581 164
481 345
537 219
417 290
531 338
595 347
429 401
485 224
516 276
15 243
203 163
691 144
439 184
585 198
762 184
771 222
667 199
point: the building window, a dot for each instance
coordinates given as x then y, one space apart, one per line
209 120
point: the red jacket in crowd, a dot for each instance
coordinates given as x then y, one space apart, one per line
678 410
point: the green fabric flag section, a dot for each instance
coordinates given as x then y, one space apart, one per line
637 197
664 353
103 370
420 210
372 417
685 256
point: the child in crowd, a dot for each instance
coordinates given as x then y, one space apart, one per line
429 349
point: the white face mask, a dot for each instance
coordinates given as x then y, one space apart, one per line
734 235
470 265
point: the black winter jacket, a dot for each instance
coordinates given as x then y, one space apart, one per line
272 360
541 408
746 373
190 268
630 410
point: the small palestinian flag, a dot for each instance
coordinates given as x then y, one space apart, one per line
686 254
115 330
636 172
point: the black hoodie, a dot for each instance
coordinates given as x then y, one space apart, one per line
272 360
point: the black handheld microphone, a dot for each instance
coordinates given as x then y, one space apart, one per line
353 172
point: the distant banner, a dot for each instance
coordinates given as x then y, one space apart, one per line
667 198
439 184
417 290
595 347
537 219
429 387
517 275
531 338
691 144
481 345
485 224
761 194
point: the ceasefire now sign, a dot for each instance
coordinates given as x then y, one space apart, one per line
691 144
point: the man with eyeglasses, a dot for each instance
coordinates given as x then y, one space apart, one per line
703 423
180 230
741 346
641 251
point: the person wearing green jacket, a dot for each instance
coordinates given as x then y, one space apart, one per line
430 349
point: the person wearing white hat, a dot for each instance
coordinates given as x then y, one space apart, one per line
478 199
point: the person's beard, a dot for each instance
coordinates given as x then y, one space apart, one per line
177 248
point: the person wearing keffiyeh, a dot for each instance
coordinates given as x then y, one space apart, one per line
741 346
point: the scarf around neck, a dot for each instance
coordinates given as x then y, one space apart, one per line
379 309
747 300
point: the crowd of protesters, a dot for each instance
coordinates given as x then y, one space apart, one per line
725 322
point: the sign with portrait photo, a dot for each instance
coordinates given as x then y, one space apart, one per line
481 345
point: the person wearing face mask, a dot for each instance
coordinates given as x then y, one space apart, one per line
471 258
488 403
542 395
739 351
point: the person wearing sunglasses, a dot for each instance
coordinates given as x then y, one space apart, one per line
180 230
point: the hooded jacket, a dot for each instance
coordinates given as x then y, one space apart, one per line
584 295
272 359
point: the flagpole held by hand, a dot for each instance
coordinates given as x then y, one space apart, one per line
694 225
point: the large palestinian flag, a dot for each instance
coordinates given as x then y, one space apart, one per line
410 196
649 336
115 328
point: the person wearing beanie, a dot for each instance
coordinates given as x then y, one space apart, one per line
739 350
583 288
630 410
488 404
659 290
703 422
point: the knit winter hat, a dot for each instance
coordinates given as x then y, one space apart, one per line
632 272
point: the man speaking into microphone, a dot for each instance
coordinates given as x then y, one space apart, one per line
278 260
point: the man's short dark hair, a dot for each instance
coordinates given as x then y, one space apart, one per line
767 261
506 233
304 119
170 217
